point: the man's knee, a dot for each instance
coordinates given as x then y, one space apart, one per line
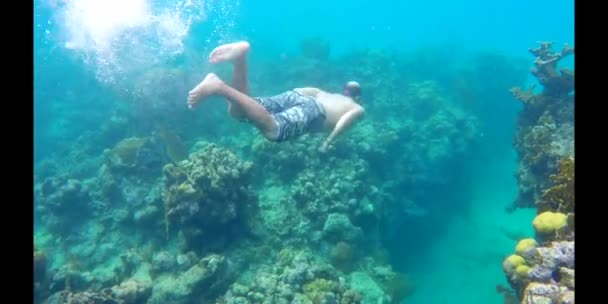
271 135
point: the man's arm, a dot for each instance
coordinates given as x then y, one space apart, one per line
345 122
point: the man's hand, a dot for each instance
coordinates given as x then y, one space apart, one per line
323 147
345 121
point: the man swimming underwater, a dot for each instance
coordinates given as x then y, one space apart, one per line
284 116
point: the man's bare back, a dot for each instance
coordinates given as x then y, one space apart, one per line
341 112
335 105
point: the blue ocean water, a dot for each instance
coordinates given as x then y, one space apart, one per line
89 57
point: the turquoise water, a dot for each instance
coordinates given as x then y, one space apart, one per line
94 58
462 265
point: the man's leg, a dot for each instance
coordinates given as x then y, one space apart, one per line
236 53
256 113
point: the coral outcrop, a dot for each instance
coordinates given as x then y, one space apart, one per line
207 195
542 268
205 280
542 274
298 277
545 132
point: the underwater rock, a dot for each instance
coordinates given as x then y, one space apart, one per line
206 279
298 277
174 146
41 276
40 265
135 155
396 285
66 275
567 277
370 291
538 293
147 215
163 262
540 273
63 197
185 261
132 259
338 227
342 256
131 291
557 254
542 267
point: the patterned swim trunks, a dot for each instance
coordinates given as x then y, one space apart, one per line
293 113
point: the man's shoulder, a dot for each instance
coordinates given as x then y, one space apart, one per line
357 106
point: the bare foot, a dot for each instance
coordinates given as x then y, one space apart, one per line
210 85
229 52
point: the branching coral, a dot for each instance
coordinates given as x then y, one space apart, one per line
560 196
555 84
546 125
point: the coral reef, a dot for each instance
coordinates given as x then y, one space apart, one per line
549 223
554 83
298 277
542 269
320 196
546 124
342 256
144 212
61 197
41 280
131 291
85 297
204 280
138 155
395 285
560 196
541 274
207 193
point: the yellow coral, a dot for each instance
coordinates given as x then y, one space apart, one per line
512 262
522 271
524 245
549 222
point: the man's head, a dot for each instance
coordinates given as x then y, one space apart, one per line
352 89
